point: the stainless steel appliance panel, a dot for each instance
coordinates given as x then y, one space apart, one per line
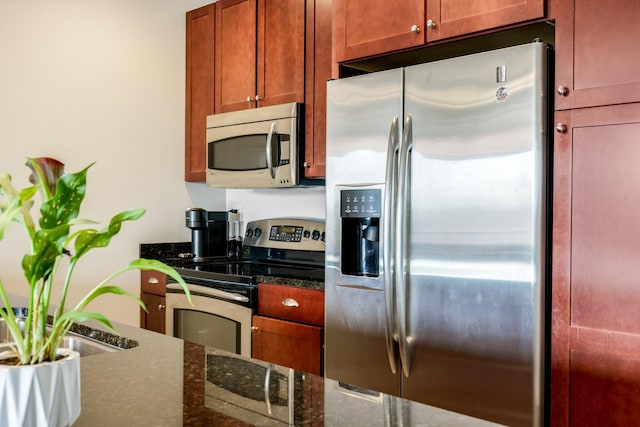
475 233
360 112
462 233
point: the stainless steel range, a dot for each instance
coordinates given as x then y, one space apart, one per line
225 291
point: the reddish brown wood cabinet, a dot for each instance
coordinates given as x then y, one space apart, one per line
318 71
288 328
365 28
596 268
259 50
199 88
594 68
152 293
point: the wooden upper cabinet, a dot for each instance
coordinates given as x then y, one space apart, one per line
451 18
318 71
365 28
594 67
281 38
199 92
236 53
259 53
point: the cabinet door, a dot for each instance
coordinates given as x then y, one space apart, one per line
596 67
199 89
596 243
449 18
280 45
235 55
289 344
154 319
318 66
370 27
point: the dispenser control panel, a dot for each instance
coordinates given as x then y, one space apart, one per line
361 203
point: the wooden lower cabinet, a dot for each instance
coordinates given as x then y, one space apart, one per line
152 293
596 268
285 343
288 327
154 319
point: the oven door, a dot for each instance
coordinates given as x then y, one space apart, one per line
214 320
253 149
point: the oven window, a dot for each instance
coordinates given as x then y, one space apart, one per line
244 153
207 329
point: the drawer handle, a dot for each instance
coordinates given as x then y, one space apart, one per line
153 280
290 302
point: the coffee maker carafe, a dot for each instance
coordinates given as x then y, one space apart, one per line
209 232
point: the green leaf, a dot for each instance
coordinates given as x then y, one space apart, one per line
109 289
153 264
78 316
47 246
65 204
91 238
8 215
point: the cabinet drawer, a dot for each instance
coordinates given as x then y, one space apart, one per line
288 302
153 282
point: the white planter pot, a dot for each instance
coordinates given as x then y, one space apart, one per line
47 394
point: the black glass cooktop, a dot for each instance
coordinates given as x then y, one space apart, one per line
246 271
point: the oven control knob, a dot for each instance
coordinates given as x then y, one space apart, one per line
322 237
249 232
316 235
306 234
257 232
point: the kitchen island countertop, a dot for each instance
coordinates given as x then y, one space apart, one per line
161 381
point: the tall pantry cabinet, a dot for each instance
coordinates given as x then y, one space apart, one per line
595 376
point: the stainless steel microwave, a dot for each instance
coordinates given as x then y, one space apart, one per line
256 148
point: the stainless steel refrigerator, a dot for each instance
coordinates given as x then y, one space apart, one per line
436 192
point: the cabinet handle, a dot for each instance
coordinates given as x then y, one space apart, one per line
431 24
161 306
249 99
415 29
290 302
306 165
254 328
258 98
561 128
562 90
153 280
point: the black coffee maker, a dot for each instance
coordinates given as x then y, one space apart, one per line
210 232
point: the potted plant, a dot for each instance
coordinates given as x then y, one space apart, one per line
58 240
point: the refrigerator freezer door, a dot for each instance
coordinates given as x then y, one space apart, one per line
475 295
360 116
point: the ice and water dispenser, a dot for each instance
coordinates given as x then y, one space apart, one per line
360 211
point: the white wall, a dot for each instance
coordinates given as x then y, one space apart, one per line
103 81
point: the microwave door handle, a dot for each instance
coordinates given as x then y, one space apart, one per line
269 149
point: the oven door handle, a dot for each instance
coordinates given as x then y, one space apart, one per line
211 292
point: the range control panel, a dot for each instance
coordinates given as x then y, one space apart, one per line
286 233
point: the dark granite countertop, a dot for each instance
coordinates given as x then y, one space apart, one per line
165 381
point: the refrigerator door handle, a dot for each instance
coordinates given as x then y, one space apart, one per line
388 249
402 244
